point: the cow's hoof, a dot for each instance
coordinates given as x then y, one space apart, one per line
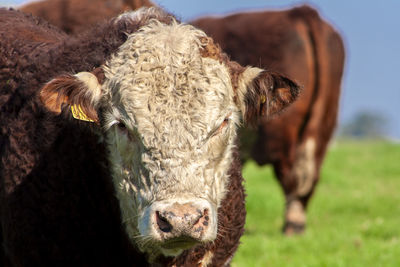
295 218
293 228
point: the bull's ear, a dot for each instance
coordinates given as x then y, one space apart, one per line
263 94
81 92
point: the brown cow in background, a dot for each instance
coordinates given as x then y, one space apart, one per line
74 16
296 42
300 44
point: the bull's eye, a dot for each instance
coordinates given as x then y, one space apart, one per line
124 130
121 126
221 127
223 124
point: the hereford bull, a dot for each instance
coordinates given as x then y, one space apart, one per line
300 44
117 146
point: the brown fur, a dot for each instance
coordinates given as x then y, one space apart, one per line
212 50
300 44
272 94
74 16
57 203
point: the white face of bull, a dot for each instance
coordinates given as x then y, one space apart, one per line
169 112
170 121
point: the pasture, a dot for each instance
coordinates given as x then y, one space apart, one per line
353 218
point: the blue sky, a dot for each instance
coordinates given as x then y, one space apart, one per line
371 30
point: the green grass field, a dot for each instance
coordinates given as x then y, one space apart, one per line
353 218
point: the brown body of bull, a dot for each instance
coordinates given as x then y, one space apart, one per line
58 206
300 44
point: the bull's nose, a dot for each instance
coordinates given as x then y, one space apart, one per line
182 222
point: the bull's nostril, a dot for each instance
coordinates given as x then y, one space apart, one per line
203 220
163 223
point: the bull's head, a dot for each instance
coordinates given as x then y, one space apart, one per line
169 105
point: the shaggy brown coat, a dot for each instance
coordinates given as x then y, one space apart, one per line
300 44
57 203
73 16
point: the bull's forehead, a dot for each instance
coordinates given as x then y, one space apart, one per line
170 93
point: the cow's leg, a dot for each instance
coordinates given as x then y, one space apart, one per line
298 178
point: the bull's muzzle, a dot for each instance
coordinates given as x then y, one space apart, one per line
182 221
181 225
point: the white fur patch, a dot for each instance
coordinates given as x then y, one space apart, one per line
304 167
94 88
295 212
180 124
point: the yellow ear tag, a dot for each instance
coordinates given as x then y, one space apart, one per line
263 99
78 113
